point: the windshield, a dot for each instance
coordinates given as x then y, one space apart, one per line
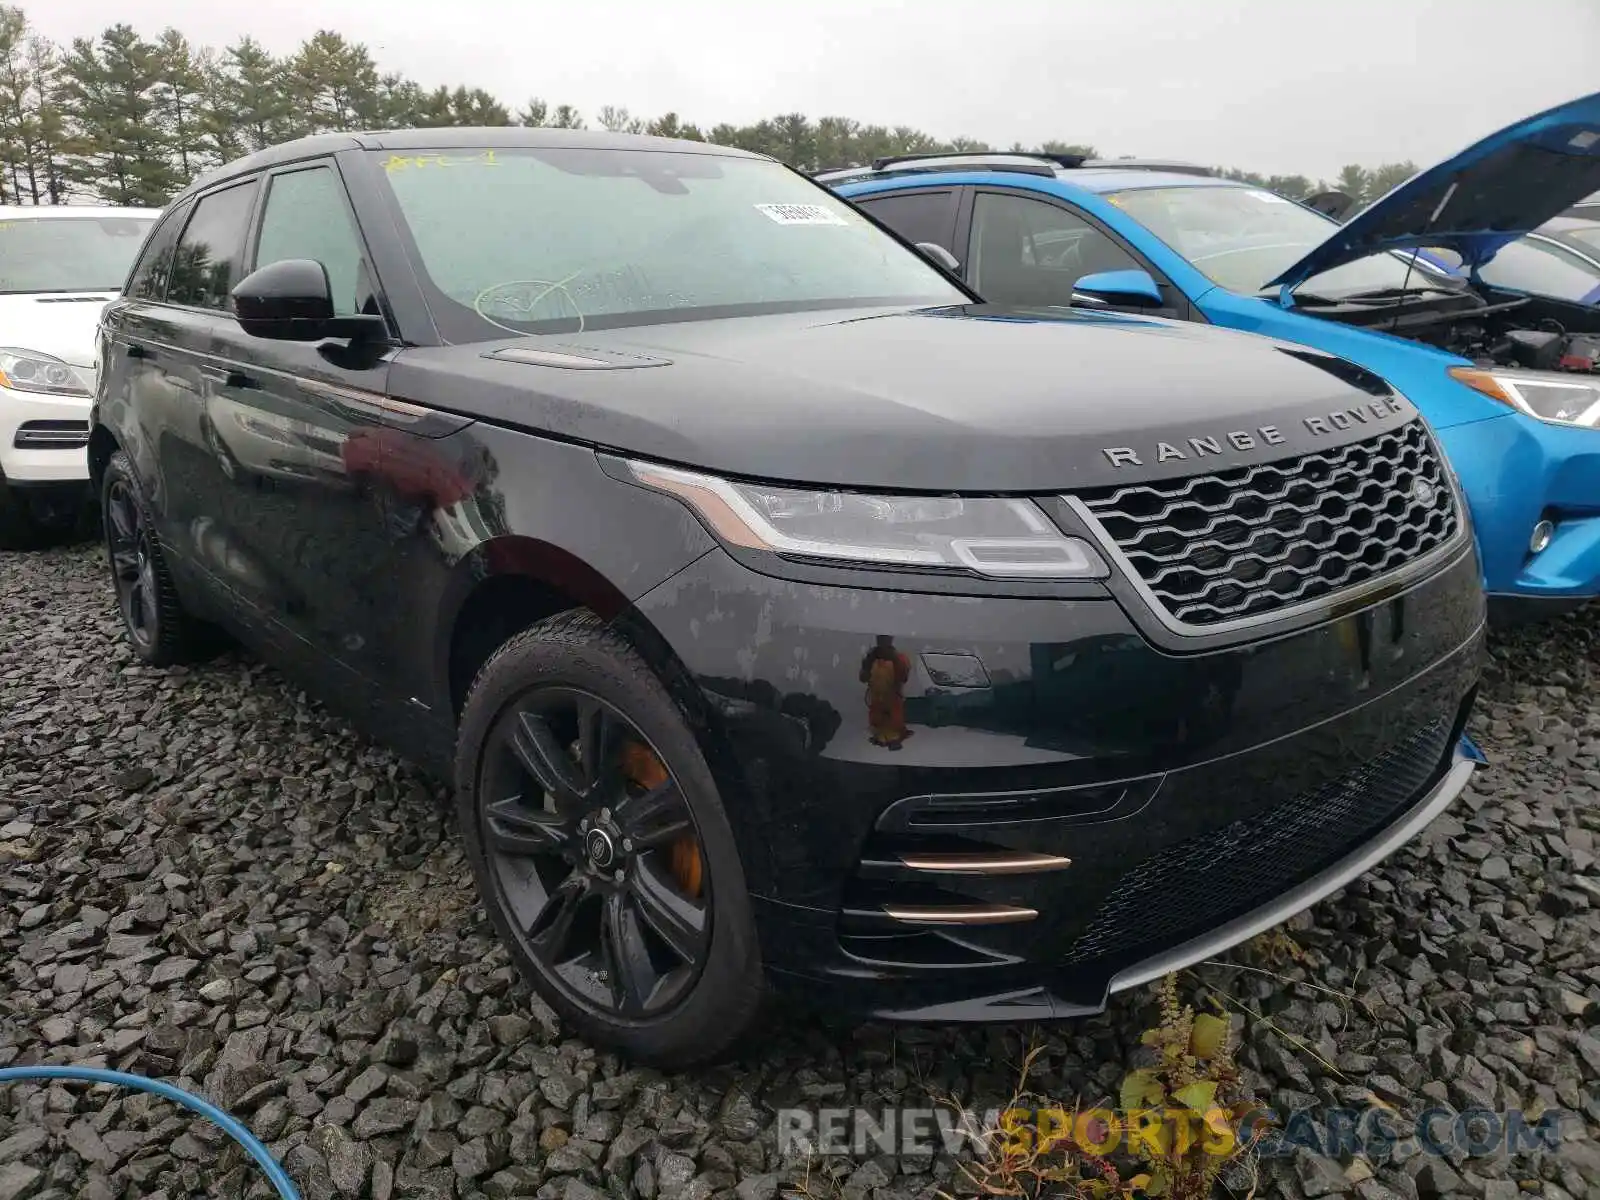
69 254
1242 237
520 241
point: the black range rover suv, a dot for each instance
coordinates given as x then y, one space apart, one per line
780 611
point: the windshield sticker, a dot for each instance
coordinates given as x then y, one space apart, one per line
1269 198
1584 140
401 162
801 214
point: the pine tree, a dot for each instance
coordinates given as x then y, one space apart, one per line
179 99
50 121
668 125
401 102
566 117
119 150
476 107
18 149
620 120
333 85
248 106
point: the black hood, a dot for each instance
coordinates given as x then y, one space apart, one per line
976 399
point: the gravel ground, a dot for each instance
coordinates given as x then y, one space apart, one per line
205 878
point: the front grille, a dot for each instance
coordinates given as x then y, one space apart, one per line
51 435
1244 542
1196 885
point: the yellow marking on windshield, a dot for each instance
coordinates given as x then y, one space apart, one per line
404 162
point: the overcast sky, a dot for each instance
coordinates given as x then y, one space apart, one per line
1268 85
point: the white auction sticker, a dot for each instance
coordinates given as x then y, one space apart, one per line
802 214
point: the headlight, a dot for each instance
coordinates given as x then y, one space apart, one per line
1548 395
29 371
997 538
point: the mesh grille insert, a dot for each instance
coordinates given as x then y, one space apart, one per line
1195 885
1244 542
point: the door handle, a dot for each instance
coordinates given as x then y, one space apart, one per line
227 378
137 351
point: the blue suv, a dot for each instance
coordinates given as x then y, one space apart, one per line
1510 381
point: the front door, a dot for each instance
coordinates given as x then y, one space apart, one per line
284 424
1029 251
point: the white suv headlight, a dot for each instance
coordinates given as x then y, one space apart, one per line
30 371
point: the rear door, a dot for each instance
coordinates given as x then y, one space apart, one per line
1029 249
175 337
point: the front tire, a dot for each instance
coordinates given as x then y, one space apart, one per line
158 627
601 847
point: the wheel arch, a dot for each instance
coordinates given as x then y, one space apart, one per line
509 583
506 585
103 444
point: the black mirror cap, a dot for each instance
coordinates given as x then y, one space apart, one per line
292 301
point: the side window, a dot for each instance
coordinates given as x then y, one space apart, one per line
1541 269
1029 252
148 279
306 216
211 246
916 216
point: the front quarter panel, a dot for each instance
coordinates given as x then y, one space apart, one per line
489 502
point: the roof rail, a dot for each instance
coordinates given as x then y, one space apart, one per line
1011 156
1148 164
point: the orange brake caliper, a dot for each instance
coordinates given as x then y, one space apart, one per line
646 771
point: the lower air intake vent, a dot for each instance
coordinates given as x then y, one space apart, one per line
51 435
1198 884
1214 549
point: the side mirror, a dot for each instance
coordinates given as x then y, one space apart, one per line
1119 289
940 256
1336 204
292 301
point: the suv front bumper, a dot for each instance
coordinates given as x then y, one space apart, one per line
31 431
1161 807
1517 472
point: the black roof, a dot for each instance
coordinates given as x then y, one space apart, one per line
510 137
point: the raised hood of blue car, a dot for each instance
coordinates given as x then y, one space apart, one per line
1477 201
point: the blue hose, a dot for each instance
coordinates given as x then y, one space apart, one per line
228 1125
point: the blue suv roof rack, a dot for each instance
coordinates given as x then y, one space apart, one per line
1009 156
1026 162
1173 165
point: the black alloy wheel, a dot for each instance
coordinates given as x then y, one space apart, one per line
595 854
161 631
132 565
602 847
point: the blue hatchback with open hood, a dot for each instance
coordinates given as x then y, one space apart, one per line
1509 380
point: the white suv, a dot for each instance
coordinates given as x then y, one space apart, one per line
59 265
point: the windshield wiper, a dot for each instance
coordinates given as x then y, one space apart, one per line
1394 293
1271 293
